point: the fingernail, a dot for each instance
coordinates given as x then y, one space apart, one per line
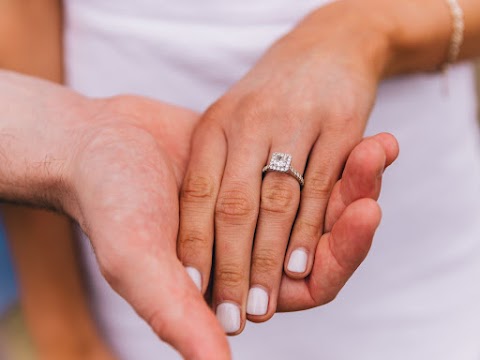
228 315
195 276
298 261
257 303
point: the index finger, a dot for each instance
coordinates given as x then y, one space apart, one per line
197 203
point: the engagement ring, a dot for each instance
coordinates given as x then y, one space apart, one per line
281 162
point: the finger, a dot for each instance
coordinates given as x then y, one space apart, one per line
390 145
362 176
365 162
323 170
342 250
166 298
197 203
280 196
235 220
338 254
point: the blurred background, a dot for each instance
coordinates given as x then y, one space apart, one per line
14 340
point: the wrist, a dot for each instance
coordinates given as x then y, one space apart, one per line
420 36
37 129
386 38
421 32
353 34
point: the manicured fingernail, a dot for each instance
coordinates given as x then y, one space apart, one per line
228 315
257 303
195 276
298 261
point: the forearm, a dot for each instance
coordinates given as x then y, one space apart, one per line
35 50
34 155
421 36
390 37
52 294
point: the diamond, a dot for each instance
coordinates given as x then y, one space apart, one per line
280 161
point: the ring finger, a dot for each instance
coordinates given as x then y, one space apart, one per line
280 196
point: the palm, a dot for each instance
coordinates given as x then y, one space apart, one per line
144 155
128 179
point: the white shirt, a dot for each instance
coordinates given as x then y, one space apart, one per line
417 295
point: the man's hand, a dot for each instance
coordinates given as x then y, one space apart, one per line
115 166
351 219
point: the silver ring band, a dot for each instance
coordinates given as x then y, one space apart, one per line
281 162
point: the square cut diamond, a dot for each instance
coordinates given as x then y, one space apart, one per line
280 162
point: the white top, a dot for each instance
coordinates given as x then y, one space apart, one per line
417 296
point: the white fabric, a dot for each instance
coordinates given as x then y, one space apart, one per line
417 296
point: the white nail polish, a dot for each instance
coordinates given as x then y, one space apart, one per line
298 261
228 315
257 303
195 276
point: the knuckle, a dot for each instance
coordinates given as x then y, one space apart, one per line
235 206
319 186
229 276
215 114
266 261
191 242
198 188
253 103
252 110
307 229
279 196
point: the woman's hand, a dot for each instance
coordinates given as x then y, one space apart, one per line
309 96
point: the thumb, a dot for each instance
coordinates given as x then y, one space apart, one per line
342 250
362 176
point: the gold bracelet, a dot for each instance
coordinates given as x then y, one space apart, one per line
458 31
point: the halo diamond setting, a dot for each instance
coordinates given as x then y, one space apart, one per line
282 162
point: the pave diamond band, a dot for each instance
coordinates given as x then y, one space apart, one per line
282 162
